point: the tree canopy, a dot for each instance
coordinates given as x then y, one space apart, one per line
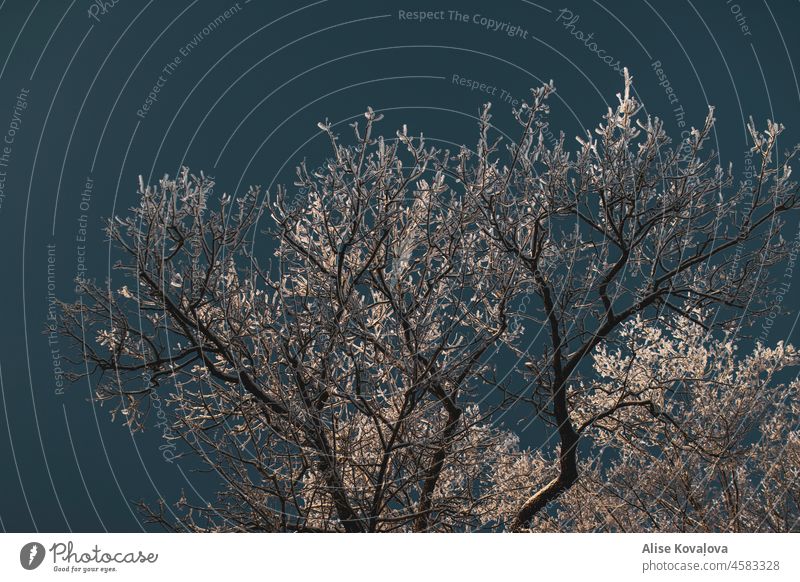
353 376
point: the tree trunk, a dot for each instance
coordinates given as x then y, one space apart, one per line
567 476
568 462
422 522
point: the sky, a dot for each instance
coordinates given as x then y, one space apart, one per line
94 95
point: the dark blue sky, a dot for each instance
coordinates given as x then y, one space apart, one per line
91 98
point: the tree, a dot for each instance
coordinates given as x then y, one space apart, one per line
685 436
352 383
